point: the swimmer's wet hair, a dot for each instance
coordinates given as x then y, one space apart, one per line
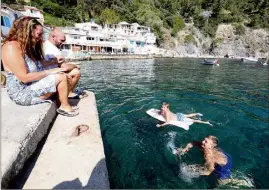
166 104
214 139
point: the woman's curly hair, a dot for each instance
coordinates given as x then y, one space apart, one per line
22 32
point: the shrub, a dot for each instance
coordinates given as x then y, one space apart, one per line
217 41
239 29
189 39
178 24
262 50
109 16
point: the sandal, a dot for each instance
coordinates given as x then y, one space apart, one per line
75 108
79 129
79 94
66 113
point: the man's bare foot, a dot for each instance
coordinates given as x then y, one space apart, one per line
199 114
158 125
209 123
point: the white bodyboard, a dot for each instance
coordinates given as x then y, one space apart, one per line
182 124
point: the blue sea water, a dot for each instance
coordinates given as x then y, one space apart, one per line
234 97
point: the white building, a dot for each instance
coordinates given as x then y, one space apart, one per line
89 37
114 38
8 16
32 12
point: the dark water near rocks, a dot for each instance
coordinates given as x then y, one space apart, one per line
233 96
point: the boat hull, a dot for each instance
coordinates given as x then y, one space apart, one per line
249 60
210 62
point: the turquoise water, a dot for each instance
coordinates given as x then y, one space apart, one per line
233 96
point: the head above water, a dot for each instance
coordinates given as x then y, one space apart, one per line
57 37
210 142
27 31
165 106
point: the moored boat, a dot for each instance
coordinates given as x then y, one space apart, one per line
249 60
210 61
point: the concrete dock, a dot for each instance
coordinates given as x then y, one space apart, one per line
70 158
111 57
22 129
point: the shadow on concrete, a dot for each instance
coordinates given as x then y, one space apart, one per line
20 179
97 180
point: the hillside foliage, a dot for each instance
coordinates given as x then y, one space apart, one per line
158 14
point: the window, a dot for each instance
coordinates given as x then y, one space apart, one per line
2 21
66 46
5 21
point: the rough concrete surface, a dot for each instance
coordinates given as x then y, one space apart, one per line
22 129
67 162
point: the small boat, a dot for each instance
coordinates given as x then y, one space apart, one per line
249 60
210 62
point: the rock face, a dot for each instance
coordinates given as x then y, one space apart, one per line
191 42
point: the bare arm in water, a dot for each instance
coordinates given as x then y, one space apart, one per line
181 151
210 160
161 125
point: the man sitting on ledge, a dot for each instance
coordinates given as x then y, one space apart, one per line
51 49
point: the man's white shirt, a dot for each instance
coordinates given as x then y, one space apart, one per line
50 52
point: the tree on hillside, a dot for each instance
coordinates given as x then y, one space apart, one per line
178 24
149 17
109 16
157 14
80 10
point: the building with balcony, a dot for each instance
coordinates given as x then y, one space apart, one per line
115 38
32 12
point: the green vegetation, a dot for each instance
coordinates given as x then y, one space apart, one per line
158 14
55 21
239 29
218 41
189 39
178 24
109 16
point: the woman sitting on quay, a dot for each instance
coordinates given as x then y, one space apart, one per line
28 81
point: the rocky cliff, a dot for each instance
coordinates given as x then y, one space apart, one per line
233 39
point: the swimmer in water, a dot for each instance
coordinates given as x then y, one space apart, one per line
170 116
216 161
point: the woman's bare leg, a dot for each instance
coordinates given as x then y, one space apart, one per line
74 76
63 91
